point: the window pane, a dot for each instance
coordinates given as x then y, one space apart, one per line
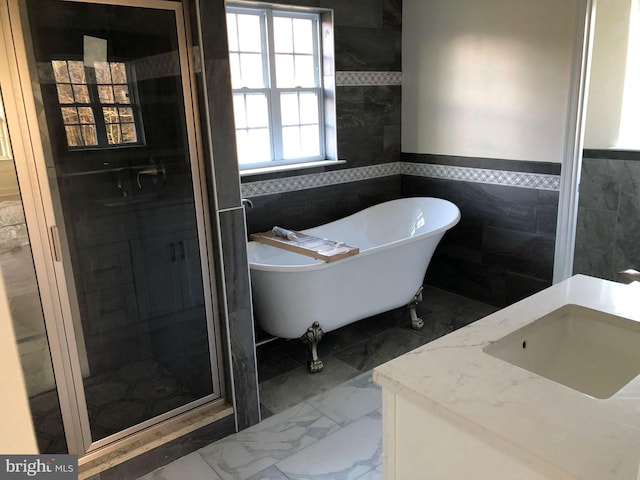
70 115
239 111
253 146
103 74
308 108
113 133
285 73
282 35
291 142
118 72
290 112
305 71
89 134
249 33
81 94
105 92
301 142
309 141
76 71
303 35
110 115
74 136
86 115
126 114
236 77
232 32
65 94
260 144
60 72
294 53
251 70
128 133
121 93
257 111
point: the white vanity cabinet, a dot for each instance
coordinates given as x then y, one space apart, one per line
421 443
451 411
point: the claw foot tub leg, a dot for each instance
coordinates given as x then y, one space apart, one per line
416 322
311 337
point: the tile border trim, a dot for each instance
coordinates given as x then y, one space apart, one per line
536 181
315 180
357 79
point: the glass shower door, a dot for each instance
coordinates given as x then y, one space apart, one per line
23 298
123 167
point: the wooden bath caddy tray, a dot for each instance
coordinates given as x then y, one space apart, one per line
316 247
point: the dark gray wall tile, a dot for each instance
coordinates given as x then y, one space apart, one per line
361 146
599 184
488 163
392 14
626 254
382 105
361 13
350 107
606 233
627 227
367 49
221 169
519 252
219 104
612 154
519 286
309 208
547 219
502 233
240 317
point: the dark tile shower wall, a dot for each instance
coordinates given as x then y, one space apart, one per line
368 37
503 248
607 234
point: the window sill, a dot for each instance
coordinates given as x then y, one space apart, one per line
290 166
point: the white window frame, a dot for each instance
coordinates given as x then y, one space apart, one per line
267 12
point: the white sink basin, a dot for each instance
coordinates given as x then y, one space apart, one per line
590 351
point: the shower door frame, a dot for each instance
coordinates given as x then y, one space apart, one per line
32 164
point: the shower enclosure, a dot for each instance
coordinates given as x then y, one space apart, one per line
117 162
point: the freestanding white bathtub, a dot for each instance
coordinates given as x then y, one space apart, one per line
296 296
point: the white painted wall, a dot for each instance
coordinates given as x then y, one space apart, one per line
608 67
630 114
487 78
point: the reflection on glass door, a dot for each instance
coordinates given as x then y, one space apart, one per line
17 269
114 87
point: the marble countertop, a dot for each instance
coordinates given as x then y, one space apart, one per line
589 438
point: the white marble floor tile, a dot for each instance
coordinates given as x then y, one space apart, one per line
375 474
284 391
271 473
253 450
347 454
189 467
349 401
